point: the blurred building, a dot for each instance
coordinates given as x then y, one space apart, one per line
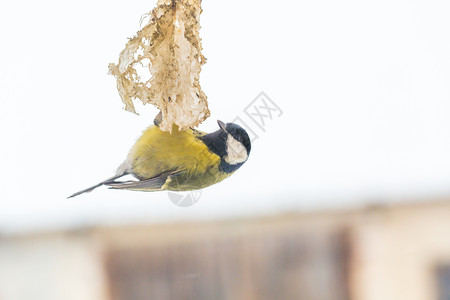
376 253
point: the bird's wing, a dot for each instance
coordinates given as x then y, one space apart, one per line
151 184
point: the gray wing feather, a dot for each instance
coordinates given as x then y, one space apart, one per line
151 184
90 189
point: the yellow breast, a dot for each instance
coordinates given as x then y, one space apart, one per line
158 151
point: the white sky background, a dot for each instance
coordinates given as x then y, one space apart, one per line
364 86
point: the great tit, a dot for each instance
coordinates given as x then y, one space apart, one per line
181 160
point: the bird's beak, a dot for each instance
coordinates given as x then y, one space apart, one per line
221 125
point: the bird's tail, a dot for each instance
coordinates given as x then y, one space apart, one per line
107 181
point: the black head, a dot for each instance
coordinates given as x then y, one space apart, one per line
232 143
238 133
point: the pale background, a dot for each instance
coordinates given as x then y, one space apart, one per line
364 87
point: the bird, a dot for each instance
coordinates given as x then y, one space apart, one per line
180 160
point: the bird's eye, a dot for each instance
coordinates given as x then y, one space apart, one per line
240 137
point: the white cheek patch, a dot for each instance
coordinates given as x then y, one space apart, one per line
236 151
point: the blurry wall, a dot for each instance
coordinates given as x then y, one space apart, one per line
381 252
51 266
260 262
402 252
